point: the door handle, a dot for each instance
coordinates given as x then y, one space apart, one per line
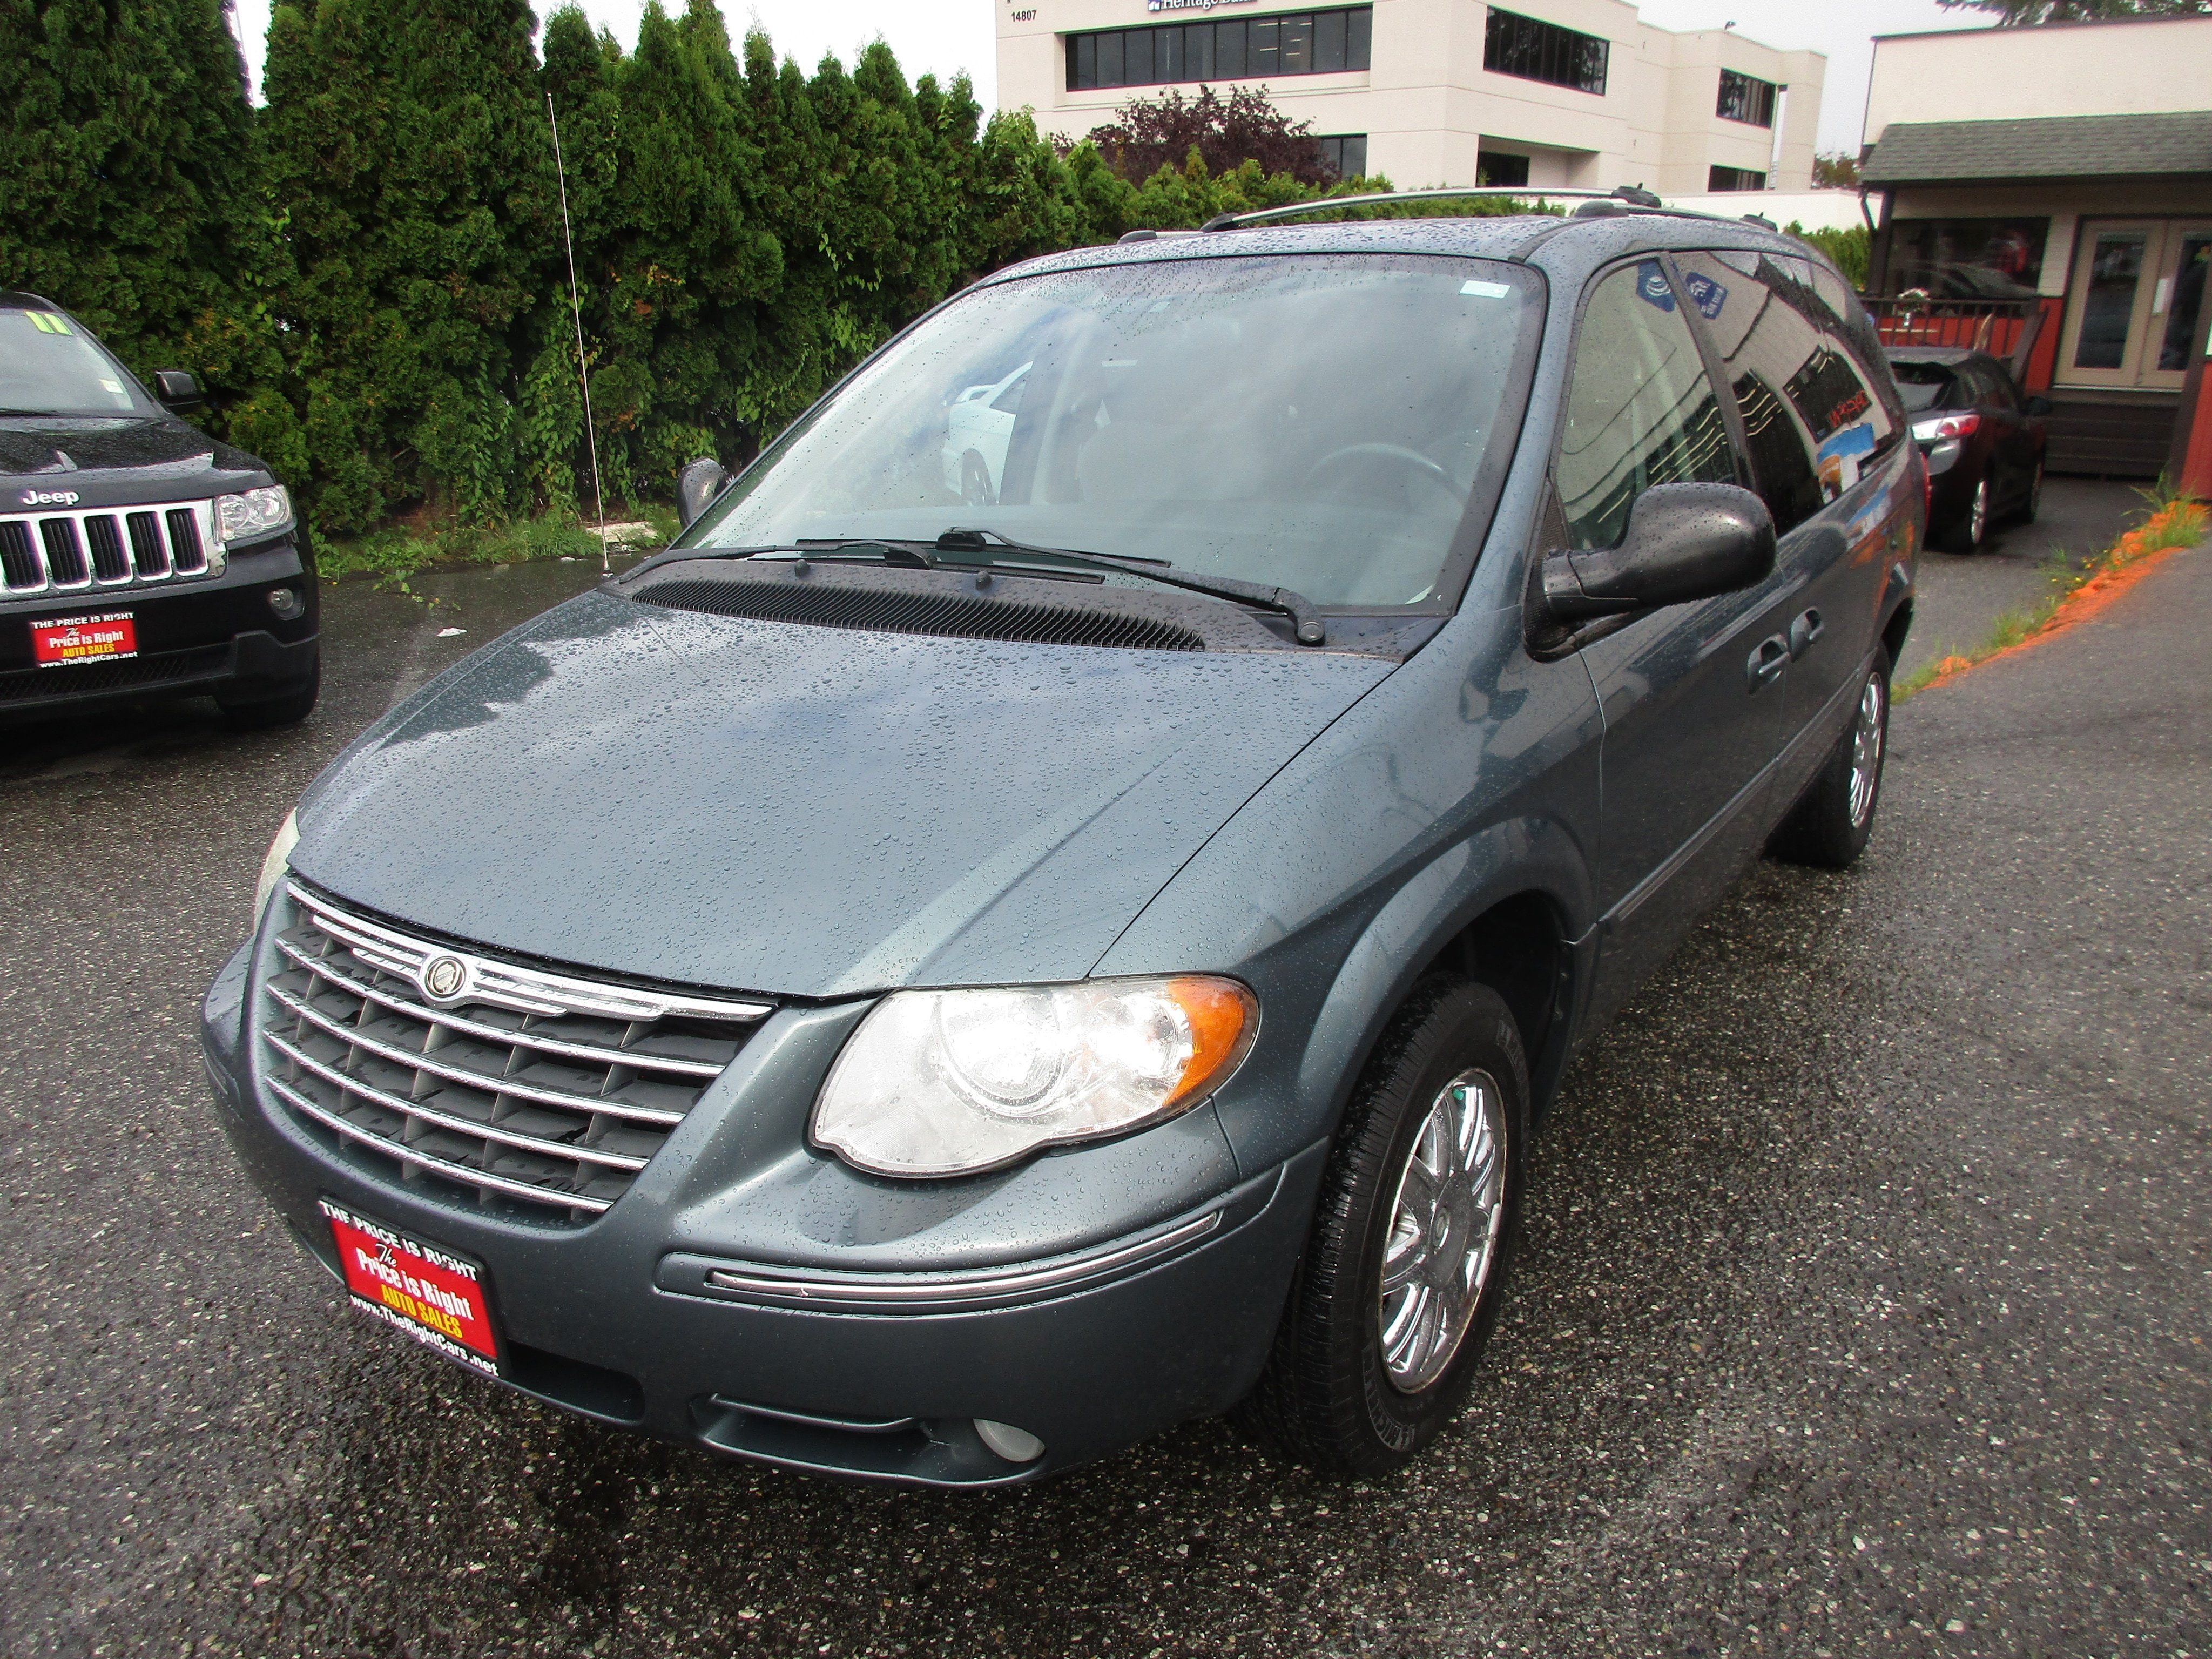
1803 633
1767 662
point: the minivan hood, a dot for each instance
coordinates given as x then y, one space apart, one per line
803 810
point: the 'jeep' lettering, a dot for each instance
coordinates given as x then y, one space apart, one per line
50 498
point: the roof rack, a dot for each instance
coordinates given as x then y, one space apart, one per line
1623 198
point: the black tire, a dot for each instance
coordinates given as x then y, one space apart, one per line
1966 533
1327 1397
2032 503
288 707
976 481
1824 828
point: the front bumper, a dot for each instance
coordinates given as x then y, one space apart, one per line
202 636
840 1358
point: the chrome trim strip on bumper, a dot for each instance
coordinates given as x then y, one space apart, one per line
800 1287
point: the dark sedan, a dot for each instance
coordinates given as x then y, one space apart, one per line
1984 442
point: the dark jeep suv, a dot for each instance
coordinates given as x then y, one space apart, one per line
137 555
957 966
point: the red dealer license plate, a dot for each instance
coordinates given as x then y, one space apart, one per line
101 636
438 1298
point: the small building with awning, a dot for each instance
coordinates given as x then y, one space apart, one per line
2046 193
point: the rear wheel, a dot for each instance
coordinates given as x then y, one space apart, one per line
1399 1287
1964 534
974 481
1831 825
288 705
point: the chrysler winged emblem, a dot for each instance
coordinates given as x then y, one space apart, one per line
443 978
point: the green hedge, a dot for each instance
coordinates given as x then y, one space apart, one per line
368 271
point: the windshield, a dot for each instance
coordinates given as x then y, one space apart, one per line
49 367
1317 422
1926 386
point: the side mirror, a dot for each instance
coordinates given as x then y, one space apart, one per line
697 484
1685 541
178 390
2038 405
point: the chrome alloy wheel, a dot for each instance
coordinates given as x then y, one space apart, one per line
1866 748
1978 515
1444 1226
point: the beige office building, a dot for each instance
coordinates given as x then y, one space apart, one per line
1443 92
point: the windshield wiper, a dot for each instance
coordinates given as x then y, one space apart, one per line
1305 619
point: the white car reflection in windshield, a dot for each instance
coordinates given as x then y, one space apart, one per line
977 428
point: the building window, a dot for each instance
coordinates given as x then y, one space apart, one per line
1495 168
1967 259
1255 48
1746 98
1718 178
1346 152
1536 51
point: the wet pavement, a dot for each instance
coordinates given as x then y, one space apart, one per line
1961 595
1864 1305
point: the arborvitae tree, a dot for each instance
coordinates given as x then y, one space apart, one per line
407 151
127 163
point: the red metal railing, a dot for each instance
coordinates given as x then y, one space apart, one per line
2005 329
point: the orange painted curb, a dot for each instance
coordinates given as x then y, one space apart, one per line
2126 562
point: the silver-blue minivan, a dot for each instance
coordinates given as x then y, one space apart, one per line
1056 908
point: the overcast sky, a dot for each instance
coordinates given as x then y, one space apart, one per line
946 36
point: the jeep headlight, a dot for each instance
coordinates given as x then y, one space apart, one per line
943 1083
256 514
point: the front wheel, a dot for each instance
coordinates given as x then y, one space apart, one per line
2033 504
1830 826
1400 1283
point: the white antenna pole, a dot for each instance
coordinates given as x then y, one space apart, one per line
576 309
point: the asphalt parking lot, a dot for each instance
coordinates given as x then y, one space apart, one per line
1865 1305
1961 595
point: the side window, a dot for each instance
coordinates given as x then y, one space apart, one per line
1766 346
1640 410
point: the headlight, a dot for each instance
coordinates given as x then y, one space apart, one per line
256 513
940 1083
274 862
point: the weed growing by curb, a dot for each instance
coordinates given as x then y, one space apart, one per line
2172 523
395 553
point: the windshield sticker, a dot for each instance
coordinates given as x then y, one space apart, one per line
1486 290
46 323
1651 286
1707 295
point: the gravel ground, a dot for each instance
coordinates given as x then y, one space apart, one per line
1864 1304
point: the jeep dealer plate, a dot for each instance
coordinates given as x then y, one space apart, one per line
99 637
440 1299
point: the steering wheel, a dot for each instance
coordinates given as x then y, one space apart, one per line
1399 455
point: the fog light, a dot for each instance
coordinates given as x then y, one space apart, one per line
287 603
1014 1445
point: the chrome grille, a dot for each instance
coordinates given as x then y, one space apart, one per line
520 1089
107 548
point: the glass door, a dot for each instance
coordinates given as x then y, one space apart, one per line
2177 303
2136 294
